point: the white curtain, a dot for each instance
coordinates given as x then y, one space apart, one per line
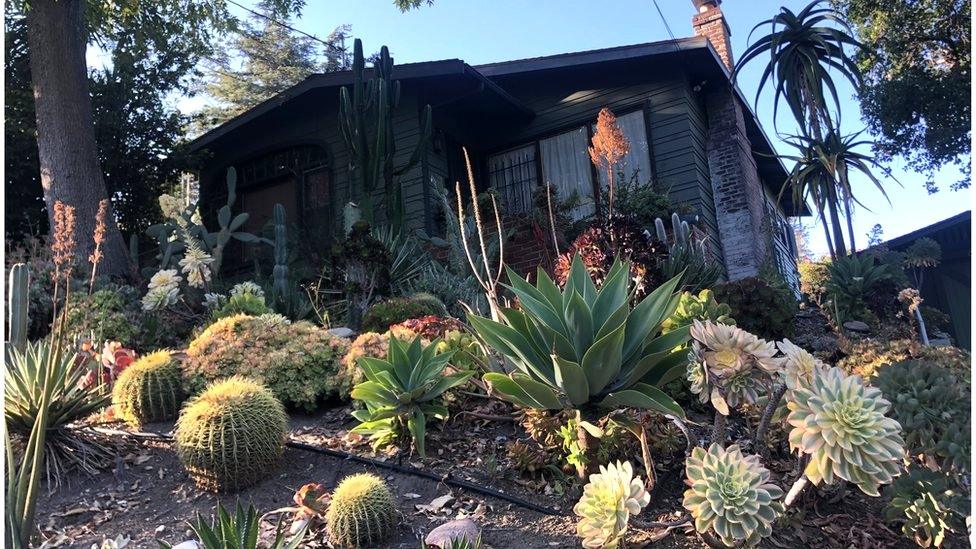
512 174
566 166
638 159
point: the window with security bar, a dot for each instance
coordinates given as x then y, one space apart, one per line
513 174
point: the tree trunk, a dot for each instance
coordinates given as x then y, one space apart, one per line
66 147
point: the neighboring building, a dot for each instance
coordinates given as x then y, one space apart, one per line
948 286
529 121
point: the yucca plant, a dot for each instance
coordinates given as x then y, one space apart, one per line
584 348
400 390
238 531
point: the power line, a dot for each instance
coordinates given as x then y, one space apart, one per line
281 24
659 12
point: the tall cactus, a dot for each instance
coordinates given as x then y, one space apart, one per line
688 255
280 273
17 293
366 121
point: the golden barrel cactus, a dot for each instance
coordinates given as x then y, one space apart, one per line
361 513
232 435
148 390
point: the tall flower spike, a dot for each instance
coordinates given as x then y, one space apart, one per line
608 500
840 423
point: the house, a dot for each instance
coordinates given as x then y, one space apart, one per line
948 286
529 121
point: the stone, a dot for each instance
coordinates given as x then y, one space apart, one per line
342 331
443 535
857 326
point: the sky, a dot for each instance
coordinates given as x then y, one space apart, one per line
482 31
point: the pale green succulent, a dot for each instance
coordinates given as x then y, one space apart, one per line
840 423
727 365
928 504
730 494
702 307
799 366
608 500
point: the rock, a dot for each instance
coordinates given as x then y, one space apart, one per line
187 545
342 331
857 326
443 535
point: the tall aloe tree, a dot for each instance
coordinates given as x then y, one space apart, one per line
806 50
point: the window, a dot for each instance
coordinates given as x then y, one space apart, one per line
513 175
638 158
566 166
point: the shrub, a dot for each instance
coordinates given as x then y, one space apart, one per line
362 512
932 408
608 500
149 390
731 495
864 357
928 504
701 307
230 436
840 423
399 391
380 316
369 344
861 289
758 307
813 279
109 314
297 361
428 327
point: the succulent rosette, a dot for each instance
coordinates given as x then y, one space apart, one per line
608 500
730 494
840 423
799 366
726 365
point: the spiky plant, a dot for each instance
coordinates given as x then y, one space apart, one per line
840 423
402 389
238 531
608 500
230 436
527 457
149 390
928 504
730 495
728 364
362 511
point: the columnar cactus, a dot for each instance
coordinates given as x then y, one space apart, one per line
608 500
730 494
148 390
840 423
361 512
231 435
17 294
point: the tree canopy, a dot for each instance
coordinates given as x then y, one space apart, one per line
917 70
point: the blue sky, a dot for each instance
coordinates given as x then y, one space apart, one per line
480 31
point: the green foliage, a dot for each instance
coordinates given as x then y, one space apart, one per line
932 408
399 391
18 299
608 500
731 495
380 316
365 265
928 504
232 435
296 360
854 281
408 257
112 313
366 120
701 307
243 303
148 390
916 94
813 279
239 531
758 307
583 347
864 357
638 201
687 256
362 512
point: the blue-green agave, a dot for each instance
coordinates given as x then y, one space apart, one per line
584 346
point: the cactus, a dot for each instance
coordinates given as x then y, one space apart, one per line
231 435
688 255
280 272
149 390
17 293
362 511
366 121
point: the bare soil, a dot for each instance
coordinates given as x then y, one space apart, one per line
148 496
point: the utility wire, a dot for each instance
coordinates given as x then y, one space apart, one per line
659 12
280 24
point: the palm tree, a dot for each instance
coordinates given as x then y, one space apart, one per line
803 49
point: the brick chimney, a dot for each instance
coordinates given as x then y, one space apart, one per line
710 23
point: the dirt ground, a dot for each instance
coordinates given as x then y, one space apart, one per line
148 497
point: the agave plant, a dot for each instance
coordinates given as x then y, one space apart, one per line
730 494
852 280
69 401
238 531
584 347
608 500
840 423
400 390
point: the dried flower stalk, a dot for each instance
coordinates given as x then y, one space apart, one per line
488 282
99 237
609 147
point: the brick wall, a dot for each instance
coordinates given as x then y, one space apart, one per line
710 23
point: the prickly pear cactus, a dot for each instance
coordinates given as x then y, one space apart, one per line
149 390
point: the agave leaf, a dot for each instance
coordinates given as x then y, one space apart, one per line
418 428
523 391
580 325
571 378
602 360
374 392
506 338
667 369
648 314
646 397
612 295
445 383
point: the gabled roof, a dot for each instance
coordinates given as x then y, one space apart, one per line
952 230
